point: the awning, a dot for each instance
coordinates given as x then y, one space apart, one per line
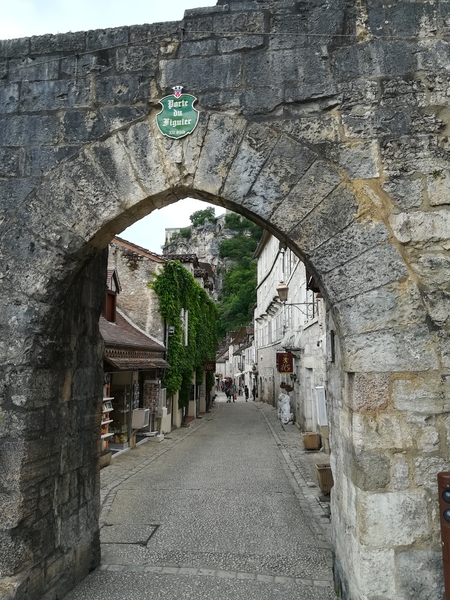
137 364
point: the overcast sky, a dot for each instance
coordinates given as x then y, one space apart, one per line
23 18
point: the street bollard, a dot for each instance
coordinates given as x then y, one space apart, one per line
444 510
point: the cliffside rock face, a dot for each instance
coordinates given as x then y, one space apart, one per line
204 241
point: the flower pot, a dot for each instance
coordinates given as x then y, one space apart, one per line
325 478
311 441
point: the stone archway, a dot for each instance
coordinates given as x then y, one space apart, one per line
305 162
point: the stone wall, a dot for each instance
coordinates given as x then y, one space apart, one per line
326 123
49 446
136 299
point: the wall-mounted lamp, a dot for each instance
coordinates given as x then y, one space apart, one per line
282 291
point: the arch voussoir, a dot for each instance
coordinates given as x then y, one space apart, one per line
220 145
285 165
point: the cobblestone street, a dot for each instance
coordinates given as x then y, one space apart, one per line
226 508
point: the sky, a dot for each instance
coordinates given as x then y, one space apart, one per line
23 18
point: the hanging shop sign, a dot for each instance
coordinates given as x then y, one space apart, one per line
178 117
209 366
285 362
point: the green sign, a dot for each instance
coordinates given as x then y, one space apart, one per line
178 116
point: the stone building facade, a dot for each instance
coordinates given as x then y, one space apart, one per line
137 267
324 122
296 326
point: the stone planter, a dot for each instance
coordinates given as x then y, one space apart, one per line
325 478
311 441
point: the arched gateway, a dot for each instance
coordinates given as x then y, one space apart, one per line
327 123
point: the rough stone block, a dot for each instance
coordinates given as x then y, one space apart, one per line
198 48
425 395
368 563
348 244
405 193
438 187
400 473
221 143
52 95
113 159
287 163
261 101
141 142
61 42
315 128
433 266
419 574
395 350
9 162
197 73
137 58
316 184
21 130
370 471
39 161
225 45
373 269
15 47
370 391
245 22
403 516
360 161
123 89
9 98
433 55
294 30
332 215
106 38
373 59
34 69
284 68
254 150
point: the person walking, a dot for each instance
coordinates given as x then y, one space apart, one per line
234 392
254 393
246 392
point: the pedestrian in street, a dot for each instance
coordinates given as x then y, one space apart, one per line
254 393
246 392
227 393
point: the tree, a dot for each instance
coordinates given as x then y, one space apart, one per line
239 283
199 217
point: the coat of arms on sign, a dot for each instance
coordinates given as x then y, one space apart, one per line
178 116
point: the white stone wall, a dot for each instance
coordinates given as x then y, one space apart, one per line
298 326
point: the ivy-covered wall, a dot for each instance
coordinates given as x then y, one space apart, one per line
178 291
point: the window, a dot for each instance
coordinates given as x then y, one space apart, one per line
109 310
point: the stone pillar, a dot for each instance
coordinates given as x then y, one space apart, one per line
49 446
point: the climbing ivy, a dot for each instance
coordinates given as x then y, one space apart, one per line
177 290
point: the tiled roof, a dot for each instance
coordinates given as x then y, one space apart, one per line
136 363
123 334
138 249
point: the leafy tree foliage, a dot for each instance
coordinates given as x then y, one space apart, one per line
240 280
185 232
177 290
200 216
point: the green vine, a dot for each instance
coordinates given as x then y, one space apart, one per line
177 290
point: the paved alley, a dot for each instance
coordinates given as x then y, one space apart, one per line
225 509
